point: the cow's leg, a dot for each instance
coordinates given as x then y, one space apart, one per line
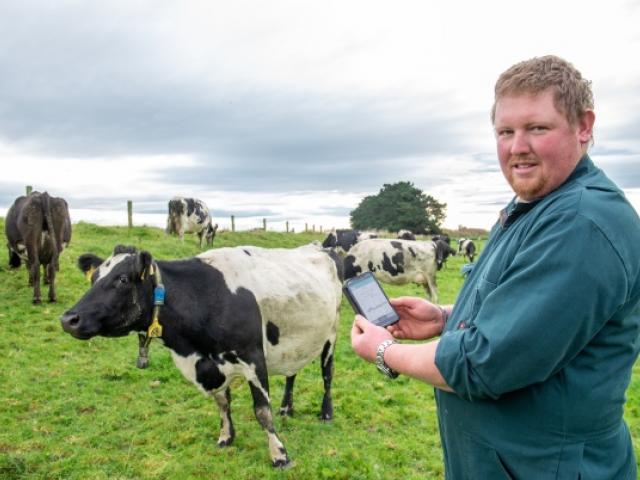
50 273
34 272
260 392
143 351
286 408
431 290
326 363
200 236
227 432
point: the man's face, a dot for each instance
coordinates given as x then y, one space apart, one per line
537 147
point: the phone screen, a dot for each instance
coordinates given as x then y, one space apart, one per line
368 299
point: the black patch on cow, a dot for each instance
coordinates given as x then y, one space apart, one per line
393 265
191 206
412 251
371 267
339 264
247 252
350 268
396 245
273 333
208 374
329 241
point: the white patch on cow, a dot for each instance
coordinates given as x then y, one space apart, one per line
109 264
225 415
297 290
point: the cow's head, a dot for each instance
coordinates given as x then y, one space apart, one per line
120 299
331 241
443 250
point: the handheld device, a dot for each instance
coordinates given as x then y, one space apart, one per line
367 298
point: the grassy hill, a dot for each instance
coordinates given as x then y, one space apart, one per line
82 410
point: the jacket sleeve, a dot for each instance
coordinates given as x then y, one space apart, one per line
559 290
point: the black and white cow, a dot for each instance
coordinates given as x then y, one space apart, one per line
38 228
406 235
341 240
190 215
230 312
396 262
467 248
443 250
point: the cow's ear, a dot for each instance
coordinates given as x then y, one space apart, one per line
143 265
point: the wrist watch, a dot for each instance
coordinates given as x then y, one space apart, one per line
383 367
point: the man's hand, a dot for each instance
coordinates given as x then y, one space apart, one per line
365 338
419 319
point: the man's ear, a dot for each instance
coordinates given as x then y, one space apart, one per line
585 126
142 265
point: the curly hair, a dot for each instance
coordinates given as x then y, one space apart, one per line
572 93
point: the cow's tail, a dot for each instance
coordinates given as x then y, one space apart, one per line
48 218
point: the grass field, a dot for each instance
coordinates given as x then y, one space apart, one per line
82 410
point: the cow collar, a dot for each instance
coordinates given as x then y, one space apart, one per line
155 329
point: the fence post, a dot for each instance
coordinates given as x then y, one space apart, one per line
233 223
130 212
306 228
264 224
313 228
29 189
287 226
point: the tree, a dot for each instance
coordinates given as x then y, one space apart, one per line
397 206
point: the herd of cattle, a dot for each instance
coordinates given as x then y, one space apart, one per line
228 312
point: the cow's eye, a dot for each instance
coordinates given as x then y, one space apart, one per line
124 279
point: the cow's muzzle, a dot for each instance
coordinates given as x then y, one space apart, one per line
71 324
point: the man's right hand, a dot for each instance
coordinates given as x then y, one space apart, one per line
419 319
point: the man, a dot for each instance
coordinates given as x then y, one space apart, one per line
533 361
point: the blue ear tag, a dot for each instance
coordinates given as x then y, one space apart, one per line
158 295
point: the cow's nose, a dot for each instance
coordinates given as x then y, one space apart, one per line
70 321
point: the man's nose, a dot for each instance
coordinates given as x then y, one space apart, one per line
520 143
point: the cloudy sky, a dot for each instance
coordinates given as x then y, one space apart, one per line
290 110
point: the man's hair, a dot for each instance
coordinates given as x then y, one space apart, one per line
572 94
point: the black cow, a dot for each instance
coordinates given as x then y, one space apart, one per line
38 228
190 215
230 312
467 248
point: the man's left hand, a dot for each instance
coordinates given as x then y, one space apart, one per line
365 338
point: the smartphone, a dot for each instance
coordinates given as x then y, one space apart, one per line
369 300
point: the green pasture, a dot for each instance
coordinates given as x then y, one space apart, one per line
73 409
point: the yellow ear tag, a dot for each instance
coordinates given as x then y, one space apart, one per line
155 329
89 273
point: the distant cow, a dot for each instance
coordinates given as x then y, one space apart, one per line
396 262
467 248
190 215
443 250
38 228
406 235
341 240
230 312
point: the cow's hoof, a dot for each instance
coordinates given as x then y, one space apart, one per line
142 363
225 443
325 417
286 411
53 300
37 301
282 463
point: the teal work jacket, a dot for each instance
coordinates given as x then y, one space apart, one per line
541 342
